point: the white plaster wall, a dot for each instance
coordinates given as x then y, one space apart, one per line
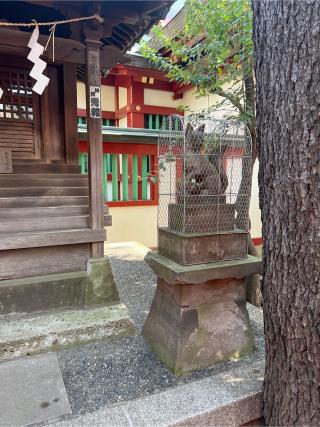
108 100
107 97
123 97
254 211
160 98
134 223
123 123
196 104
81 95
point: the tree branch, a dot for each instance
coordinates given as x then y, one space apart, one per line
234 101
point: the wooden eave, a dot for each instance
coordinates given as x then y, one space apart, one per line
14 42
123 135
124 23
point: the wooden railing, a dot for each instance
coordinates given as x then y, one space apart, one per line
129 172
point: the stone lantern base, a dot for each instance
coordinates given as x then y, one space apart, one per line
198 316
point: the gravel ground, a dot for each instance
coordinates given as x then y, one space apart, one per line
105 373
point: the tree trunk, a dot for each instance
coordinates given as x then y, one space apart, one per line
287 51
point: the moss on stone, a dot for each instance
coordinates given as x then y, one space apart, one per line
101 287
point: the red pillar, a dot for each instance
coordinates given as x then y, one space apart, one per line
135 102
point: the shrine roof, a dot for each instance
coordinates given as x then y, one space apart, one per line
122 25
171 29
138 61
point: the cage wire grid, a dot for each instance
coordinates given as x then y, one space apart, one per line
204 169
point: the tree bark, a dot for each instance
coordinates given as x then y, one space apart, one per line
287 51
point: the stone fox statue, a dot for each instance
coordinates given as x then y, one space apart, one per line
202 176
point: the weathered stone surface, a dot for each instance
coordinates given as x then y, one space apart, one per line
173 272
44 313
40 293
202 333
21 336
95 286
228 399
101 287
32 391
186 295
198 249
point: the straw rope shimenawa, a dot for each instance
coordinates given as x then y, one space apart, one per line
52 24
34 23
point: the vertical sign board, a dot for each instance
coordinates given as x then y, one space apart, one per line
5 161
95 107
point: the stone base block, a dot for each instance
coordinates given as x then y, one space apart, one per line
198 249
58 291
54 311
28 335
101 287
194 326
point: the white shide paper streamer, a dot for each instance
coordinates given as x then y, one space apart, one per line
39 64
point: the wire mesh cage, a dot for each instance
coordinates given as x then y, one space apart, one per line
204 184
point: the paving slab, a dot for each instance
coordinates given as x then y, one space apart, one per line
228 399
21 336
106 373
32 391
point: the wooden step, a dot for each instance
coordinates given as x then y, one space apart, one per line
43 212
45 168
42 224
25 202
43 191
27 161
37 239
43 180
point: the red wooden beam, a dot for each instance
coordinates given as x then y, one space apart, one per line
135 96
109 80
124 70
145 109
123 148
157 85
123 81
135 120
153 109
177 96
123 203
135 93
178 89
122 112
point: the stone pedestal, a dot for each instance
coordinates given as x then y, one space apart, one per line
199 249
198 316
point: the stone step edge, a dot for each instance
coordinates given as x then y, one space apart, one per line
27 335
231 398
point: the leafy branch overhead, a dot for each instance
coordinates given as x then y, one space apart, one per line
213 52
